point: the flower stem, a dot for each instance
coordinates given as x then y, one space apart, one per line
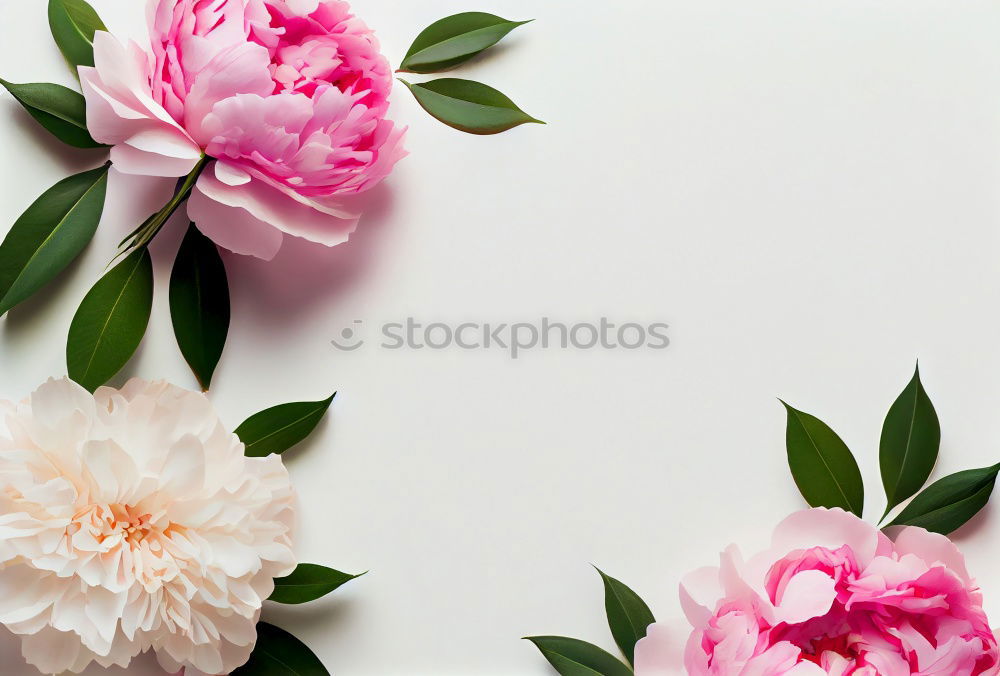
145 233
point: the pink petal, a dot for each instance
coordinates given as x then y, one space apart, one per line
661 652
808 594
781 659
231 227
296 217
831 528
932 548
242 69
121 111
700 591
130 160
230 174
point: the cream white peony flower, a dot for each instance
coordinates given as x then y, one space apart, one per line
130 520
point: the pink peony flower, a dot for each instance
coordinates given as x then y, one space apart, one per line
832 596
287 97
130 521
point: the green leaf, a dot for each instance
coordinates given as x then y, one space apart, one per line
199 304
823 468
278 653
59 109
628 615
911 436
572 657
308 582
948 503
469 106
454 40
50 234
277 429
111 321
73 24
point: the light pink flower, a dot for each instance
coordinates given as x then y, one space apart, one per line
130 520
288 97
833 596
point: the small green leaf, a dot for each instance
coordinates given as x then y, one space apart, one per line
59 109
454 40
572 657
628 615
911 436
469 106
110 322
948 503
50 234
73 24
278 653
823 467
308 582
199 304
277 429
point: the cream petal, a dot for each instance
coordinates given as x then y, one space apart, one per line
51 651
26 592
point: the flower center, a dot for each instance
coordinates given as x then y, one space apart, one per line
110 526
842 645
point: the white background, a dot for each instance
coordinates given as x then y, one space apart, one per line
807 192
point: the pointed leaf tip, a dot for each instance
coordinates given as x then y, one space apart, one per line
908 447
279 428
628 615
469 106
455 40
948 503
50 234
823 467
60 110
199 304
572 657
309 582
111 321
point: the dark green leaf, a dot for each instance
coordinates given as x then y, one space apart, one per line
111 321
823 468
279 428
308 582
948 503
199 304
50 234
59 109
454 40
469 106
73 24
909 446
628 615
278 653
572 657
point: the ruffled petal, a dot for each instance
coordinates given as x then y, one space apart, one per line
661 651
262 205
